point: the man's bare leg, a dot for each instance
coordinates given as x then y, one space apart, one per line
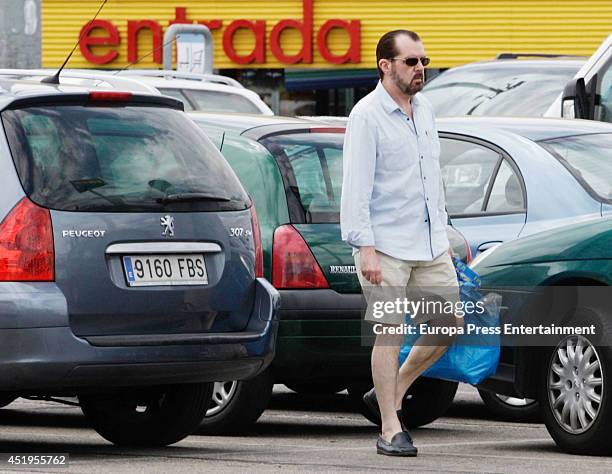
425 352
385 366
418 361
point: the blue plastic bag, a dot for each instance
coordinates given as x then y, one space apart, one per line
474 355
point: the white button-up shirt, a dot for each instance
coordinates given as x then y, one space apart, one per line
392 190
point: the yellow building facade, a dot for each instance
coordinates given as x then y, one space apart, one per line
320 34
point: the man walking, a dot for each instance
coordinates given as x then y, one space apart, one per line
393 215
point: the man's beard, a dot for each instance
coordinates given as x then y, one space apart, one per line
410 88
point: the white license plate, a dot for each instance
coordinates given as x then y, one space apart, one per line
150 270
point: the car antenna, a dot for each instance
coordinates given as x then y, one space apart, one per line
55 78
142 57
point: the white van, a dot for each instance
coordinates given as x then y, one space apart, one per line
589 94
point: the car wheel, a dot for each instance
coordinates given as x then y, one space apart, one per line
7 399
430 400
520 410
426 400
320 388
237 405
576 396
223 393
356 391
151 416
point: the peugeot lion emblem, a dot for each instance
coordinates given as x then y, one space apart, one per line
167 222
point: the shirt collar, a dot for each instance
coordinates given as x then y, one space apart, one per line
387 101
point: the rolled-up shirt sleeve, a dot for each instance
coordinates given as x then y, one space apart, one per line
359 167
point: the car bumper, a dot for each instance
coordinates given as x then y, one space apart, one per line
320 336
54 359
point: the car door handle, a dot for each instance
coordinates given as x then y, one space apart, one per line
487 245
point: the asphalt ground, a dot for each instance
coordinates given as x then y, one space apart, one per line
298 434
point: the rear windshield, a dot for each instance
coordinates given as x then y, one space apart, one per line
501 91
118 159
177 94
589 159
216 101
311 164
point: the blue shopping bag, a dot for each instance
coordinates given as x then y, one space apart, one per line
475 354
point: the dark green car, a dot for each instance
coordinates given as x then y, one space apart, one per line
562 278
292 170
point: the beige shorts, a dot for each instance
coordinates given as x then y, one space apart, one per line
410 282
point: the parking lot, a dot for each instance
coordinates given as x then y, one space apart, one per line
189 240
299 433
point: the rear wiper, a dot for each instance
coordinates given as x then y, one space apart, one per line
82 185
88 185
186 197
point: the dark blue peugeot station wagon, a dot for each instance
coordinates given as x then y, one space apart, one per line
130 261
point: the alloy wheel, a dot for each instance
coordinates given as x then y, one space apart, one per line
515 402
223 393
575 384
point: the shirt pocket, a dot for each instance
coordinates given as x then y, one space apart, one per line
393 154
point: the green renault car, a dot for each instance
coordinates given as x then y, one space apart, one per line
558 279
292 170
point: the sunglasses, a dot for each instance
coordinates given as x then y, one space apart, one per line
412 61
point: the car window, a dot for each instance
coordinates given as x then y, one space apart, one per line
589 159
467 169
177 94
605 93
506 193
118 159
217 101
500 91
308 173
311 164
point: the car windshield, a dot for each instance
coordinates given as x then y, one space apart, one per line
177 94
217 101
118 159
588 158
312 169
500 91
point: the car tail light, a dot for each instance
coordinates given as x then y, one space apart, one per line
26 244
109 96
293 264
257 241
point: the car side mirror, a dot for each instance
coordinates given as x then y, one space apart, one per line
578 101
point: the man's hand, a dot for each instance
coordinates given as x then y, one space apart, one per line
370 265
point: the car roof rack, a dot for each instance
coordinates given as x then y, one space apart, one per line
122 83
536 55
190 76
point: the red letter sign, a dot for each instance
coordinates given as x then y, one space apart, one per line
304 27
353 54
258 54
111 40
211 24
180 17
133 28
